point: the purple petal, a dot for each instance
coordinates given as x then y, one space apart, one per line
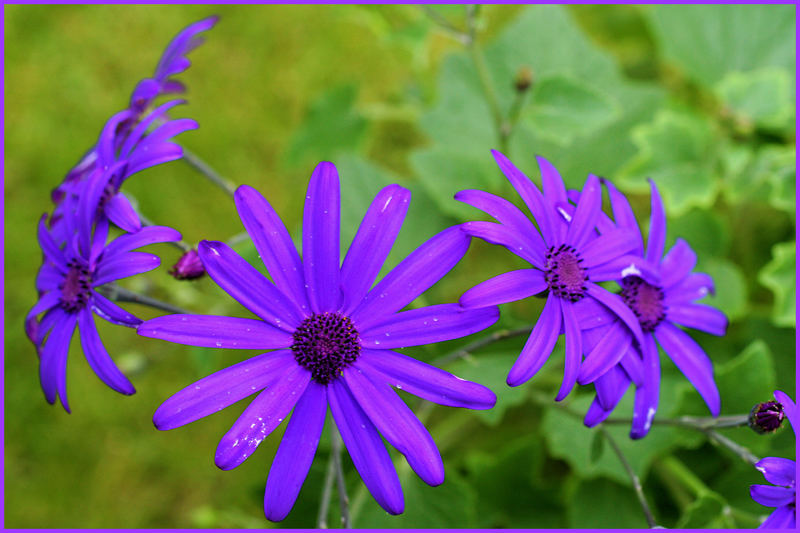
51 250
45 303
553 189
583 223
426 325
591 314
781 518
165 132
573 351
295 453
106 141
692 361
512 239
623 214
507 287
261 417
98 357
53 361
248 286
658 226
48 278
372 243
108 310
321 239
606 353
645 403
141 128
698 316
530 194
618 307
414 275
508 215
426 381
123 265
772 496
221 389
627 265
608 246
273 243
611 387
366 448
143 237
540 344
679 261
595 414
692 287
788 407
98 240
397 424
778 471
183 42
216 332
632 364
156 155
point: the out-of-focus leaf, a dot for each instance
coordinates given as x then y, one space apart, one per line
779 276
708 41
332 125
731 288
450 505
598 444
491 370
763 97
563 107
747 379
705 230
602 503
674 150
707 511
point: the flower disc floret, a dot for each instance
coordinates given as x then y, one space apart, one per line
76 288
645 300
564 274
324 344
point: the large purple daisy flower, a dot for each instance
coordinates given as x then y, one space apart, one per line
68 284
661 304
783 473
568 261
333 338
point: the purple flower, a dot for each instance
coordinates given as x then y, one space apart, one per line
189 266
333 339
568 261
780 472
68 283
661 304
172 62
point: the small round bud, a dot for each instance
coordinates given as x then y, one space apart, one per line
766 417
188 266
524 79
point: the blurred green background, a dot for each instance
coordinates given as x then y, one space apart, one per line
701 98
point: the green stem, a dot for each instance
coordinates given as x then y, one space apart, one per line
445 24
637 485
120 294
742 452
325 498
206 170
181 245
693 422
464 352
336 450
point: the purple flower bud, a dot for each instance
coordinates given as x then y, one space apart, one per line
766 417
188 266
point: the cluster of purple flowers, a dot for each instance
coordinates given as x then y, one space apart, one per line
78 262
328 331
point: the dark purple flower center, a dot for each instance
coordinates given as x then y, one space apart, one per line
325 344
76 288
766 417
645 300
564 274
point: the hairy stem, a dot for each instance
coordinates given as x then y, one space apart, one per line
481 343
203 167
120 294
637 485
344 502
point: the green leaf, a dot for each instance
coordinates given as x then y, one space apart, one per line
332 125
598 443
731 288
708 41
763 97
705 230
707 511
450 505
563 107
746 379
674 150
779 276
602 503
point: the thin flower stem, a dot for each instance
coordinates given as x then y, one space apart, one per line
327 490
344 502
637 485
694 422
745 454
445 24
203 167
239 237
481 343
181 245
120 294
